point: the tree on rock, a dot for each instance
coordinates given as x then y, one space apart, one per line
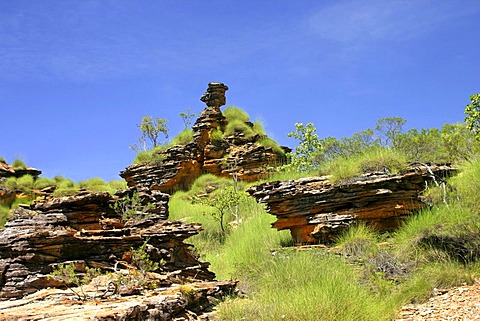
151 130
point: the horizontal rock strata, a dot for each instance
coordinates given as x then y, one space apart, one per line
177 303
314 210
177 167
85 229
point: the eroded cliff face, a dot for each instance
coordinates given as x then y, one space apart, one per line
181 165
314 210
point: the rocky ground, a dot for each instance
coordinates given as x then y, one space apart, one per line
461 303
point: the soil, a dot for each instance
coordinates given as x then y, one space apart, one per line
461 303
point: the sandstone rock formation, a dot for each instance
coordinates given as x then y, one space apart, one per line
7 170
314 210
181 165
84 229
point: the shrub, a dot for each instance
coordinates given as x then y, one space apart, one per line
207 183
42 182
238 126
216 135
18 164
235 113
25 183
358 241
387 160
95 184
258 128
466 186
2 160
185 137
4 214
116 185
10 183
65 273
151 156
132 207
270 143
22 200
65 187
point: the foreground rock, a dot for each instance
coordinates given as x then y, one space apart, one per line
178 302
84 229
314 210
179 166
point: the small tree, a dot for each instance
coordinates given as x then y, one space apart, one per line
66 274
187 117
389 129
223 202
473 115
151 130
303 157
132 207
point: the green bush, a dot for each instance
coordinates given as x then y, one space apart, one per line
238 126
207 183
358 241
42 182
383 159
258 128
4 214
26 200
466 186
95 184
151 156
216 135
116 185
65 187
235 113
185 137
270 143
11 184
25 183
18 164
2 160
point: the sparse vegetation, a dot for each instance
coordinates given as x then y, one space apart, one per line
132 207
18 164
233 113
185 137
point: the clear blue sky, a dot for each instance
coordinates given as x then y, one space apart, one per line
77 76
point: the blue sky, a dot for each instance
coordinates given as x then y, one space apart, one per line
77 76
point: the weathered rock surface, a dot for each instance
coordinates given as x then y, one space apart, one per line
314 210
169 304
86 230
7 170
179 166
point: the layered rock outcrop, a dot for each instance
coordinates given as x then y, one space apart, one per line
178 166
7 170
315 210
86 230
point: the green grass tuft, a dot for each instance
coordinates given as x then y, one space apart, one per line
238 126
185 137
270 143
235 113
